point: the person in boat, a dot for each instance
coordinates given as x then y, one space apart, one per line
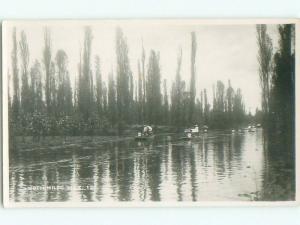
147 130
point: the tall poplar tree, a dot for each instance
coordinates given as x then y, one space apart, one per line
25 91
193 79
265 54
123 79
85 92
47 60
153 90
99 88
15 77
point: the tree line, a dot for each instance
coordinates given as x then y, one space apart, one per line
43 102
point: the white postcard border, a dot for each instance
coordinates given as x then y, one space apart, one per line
5 145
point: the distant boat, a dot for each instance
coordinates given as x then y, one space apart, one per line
204 129
142 137
193 130
251 129
188 136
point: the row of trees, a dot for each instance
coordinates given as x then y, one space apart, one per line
43 101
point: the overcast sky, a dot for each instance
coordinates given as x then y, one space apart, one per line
223 51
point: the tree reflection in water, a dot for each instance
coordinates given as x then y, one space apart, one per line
216 166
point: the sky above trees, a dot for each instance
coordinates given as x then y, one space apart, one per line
223 51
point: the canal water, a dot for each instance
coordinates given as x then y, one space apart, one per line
217 166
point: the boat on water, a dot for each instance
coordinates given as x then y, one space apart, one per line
191 135
251 129
146 134
188 136
144 137
192 130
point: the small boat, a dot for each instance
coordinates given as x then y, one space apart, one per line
187 137
251 129
193 130
205 129
141 137
240 131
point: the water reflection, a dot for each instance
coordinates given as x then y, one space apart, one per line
215 166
